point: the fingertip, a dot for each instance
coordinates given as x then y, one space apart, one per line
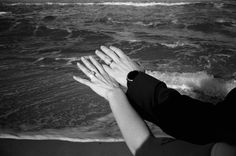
91 57
76 78
96 51
80 80
111 47
103 47
80 66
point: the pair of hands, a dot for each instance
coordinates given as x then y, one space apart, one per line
106 78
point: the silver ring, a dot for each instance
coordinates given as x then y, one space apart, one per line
110 62
91 74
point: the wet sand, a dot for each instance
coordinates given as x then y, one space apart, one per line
12 147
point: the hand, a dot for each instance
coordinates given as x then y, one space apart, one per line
118 64
100 82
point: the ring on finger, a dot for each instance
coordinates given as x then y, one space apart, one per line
91 74
109 62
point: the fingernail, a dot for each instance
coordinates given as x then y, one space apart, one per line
103 46
74 77
77 78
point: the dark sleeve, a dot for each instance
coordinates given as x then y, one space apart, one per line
178 115
145 93
170 147
225 116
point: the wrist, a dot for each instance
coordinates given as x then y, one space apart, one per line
113 93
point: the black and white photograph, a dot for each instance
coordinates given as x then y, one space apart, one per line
117 78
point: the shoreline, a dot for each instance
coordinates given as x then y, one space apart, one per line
43 138
99 1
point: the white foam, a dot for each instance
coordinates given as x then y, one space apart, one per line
144 4
173 45
179 44
50 137
39 59
3 13
111 4
200 81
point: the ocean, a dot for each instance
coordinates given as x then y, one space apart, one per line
190 45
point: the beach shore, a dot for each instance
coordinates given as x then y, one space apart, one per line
96 1
13 147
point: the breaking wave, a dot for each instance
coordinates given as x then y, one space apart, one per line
179 44
3 13
196 81
111 3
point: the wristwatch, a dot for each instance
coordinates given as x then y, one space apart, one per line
131 76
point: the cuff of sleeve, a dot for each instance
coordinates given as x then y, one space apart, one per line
143 88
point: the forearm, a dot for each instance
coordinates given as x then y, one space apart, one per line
155 102
132 126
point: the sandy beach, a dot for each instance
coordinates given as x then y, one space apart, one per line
12 147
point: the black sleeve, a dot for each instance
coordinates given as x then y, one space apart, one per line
141 93
178 115
160 147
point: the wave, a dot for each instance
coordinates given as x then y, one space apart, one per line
111 4
200 81
3 13
179 44
104 128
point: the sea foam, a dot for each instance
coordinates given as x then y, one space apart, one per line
196 81
3 13
111 4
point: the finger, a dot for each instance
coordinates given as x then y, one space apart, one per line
83 81
85 70
110 53
99 69
111 78
89 65
107 69
104 57
96 64
119 52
